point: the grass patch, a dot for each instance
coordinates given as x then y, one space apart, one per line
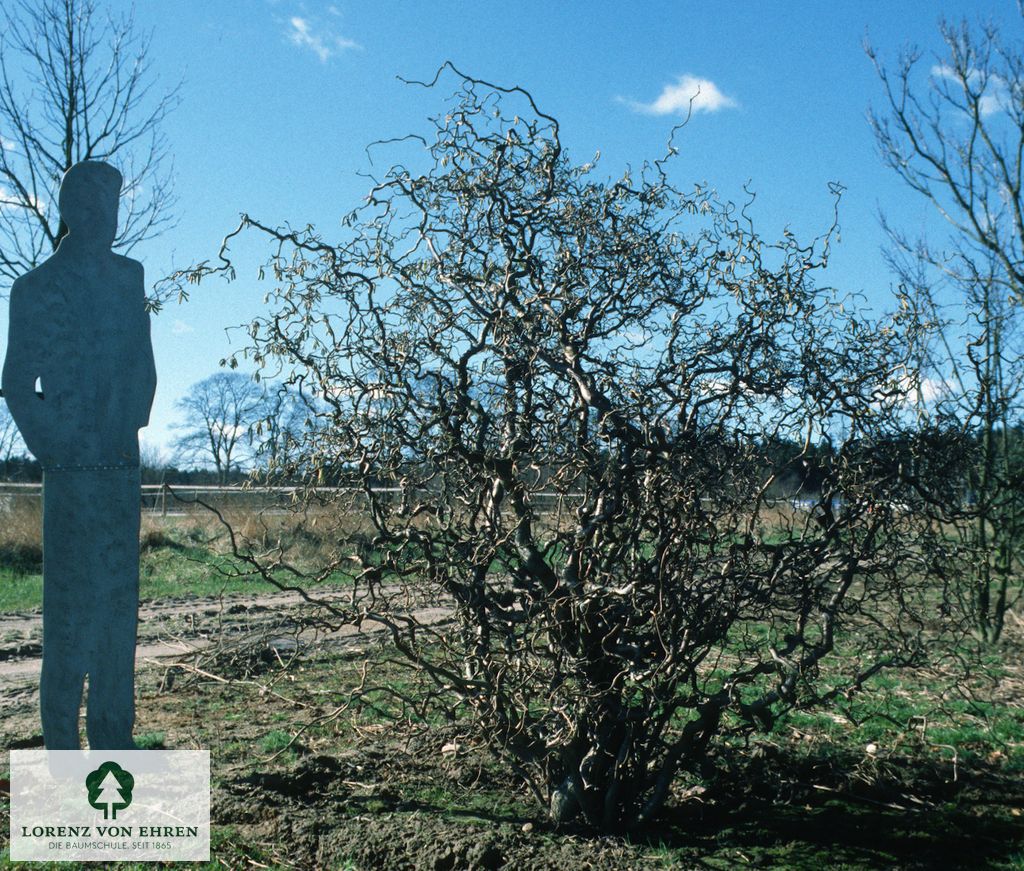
150 741
20 592
164 572
275 741
917 770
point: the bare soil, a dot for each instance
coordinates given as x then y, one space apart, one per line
175 631
296 784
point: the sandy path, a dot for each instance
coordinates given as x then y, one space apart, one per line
171 630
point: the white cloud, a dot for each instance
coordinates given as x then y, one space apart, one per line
989 104
323 42
132 191
934 388
11 200
688 94
925 389
180 328
995 96
229 430
7 145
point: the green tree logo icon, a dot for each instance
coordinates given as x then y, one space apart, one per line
110 789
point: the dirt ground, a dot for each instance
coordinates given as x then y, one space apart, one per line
300 781
175 630
368 804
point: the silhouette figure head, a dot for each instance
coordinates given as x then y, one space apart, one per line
89 193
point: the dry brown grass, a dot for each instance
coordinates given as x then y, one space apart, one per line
21 533
306 539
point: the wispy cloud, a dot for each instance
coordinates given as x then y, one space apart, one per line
7 145
935 388
926 389
995 95
688 94
180 328
11 200
320 39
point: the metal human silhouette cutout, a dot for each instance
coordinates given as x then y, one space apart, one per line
79 380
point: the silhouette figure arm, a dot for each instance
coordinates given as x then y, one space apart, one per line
148 363
23 365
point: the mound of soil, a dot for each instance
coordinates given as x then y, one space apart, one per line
326 824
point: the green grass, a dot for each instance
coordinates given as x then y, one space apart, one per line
19 592
275 741
164 572
150 741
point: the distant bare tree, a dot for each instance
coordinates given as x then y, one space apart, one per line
75 86
955 134
557 403
288 413
154 463
221 414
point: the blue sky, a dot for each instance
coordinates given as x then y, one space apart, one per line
280 97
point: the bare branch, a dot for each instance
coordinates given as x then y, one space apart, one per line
75 88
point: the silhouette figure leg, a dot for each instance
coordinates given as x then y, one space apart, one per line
60 696
64 642
110 711
93 559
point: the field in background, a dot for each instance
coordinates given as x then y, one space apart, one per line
183 552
